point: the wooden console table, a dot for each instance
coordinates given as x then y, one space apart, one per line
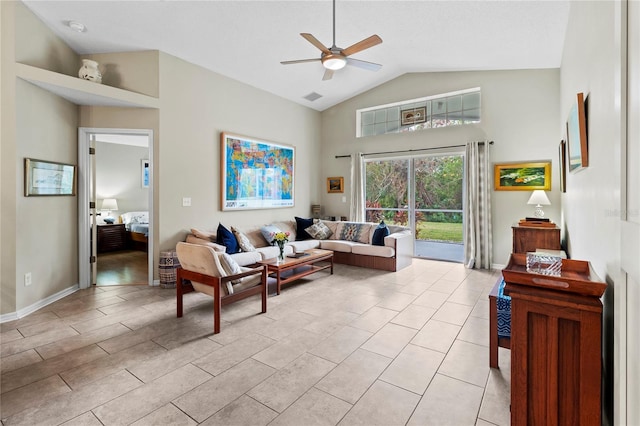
556 344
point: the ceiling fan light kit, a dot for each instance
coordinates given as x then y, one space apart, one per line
334 62
336 58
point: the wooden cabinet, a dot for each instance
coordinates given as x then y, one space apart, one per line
530 238
112 237
556 344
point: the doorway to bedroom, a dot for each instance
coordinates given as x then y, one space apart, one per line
117 187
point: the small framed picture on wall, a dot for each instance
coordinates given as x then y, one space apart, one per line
335 184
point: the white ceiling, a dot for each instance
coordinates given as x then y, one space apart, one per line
246 40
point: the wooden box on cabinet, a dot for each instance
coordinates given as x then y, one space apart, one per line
556 344
112 237
530 238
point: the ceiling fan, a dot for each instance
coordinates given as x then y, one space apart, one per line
334 58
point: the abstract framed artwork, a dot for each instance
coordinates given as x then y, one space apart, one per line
48 178
522 176
255 174
335 184
577 135
144 173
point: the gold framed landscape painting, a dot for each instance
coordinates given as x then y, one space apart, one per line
335 184
522 176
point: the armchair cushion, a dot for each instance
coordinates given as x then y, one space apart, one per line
230 267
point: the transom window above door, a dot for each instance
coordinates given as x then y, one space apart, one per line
447 109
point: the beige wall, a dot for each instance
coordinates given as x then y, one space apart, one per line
118 175
195 106
24 244
46 227
133 71
519 112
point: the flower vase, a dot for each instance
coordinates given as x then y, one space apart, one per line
281 255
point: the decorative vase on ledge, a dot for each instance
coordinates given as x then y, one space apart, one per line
89 71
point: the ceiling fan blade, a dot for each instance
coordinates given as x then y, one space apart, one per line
299 61
311 39
361 45
327 75
371 66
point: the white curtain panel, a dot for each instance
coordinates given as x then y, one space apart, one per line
357 188
478 242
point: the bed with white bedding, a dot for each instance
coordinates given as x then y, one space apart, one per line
137 226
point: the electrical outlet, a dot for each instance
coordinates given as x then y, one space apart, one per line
27 279
186 202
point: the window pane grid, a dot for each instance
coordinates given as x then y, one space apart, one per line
443 111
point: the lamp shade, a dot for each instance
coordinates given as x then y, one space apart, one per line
109 204
539 197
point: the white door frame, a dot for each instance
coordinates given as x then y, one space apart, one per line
84 135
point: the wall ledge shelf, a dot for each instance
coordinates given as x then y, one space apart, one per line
83 92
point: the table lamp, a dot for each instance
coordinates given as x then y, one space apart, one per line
315 209
539 198
108 205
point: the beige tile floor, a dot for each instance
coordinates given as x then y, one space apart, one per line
360 347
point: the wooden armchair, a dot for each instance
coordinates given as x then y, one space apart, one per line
201 270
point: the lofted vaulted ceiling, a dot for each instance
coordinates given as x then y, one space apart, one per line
247 40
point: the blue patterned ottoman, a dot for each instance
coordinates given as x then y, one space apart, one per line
503 303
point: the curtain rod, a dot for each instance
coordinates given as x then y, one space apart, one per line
411 150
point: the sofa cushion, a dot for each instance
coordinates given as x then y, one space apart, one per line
299 246
246 258
371 250
287 226
379 234
301 225
226 238
270 252
319 231
356 232
243 240
333 226
268 231
337 245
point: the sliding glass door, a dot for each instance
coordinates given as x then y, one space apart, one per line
424 193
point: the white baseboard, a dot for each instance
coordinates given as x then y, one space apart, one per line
39 304
498 266
156 283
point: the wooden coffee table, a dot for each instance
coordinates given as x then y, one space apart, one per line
291 269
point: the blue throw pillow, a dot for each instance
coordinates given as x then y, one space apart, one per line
226 238
379 234
301 225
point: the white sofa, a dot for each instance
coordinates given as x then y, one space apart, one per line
395 254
